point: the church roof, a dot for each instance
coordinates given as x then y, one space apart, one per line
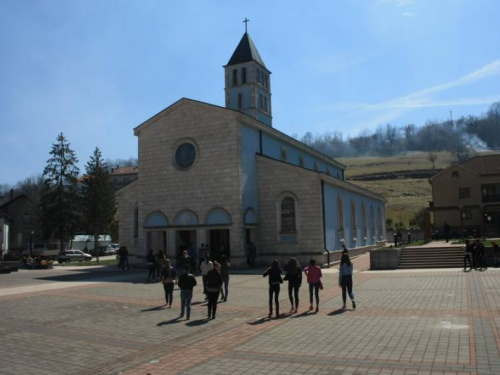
245 52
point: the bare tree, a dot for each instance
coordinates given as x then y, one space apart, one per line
432 157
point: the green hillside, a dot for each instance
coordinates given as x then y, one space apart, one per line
405 196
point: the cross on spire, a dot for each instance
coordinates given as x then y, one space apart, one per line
246 24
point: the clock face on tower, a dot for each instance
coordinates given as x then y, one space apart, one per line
185 155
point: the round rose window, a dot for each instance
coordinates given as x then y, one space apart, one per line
185 155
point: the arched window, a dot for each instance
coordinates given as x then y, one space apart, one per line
328 171
316 167
372 220
136 222
244 75
301 160
354 219
235 77
240 101
340 213
363 220
288 215
284 154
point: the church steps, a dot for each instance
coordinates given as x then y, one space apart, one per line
429 257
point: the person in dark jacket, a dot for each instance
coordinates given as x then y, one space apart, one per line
468 255
447 230
168 278
345 279
481 255
151 265
225 269
123 254
274 273
213 285
186 284
294 277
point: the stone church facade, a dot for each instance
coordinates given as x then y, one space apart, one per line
223 176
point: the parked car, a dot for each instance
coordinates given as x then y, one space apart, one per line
73 255
111 249
441 235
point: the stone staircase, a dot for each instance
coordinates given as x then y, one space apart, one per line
431 257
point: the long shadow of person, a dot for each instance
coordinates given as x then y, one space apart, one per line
171 321
198 322
337 312
154 308
259 321
304 314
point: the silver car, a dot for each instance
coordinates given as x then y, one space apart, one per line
73 256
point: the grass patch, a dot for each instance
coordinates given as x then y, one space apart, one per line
108 262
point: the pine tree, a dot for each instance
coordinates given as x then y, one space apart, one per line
99 199
60 201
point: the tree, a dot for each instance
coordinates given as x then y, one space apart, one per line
60 203
99 199
32 186
432 157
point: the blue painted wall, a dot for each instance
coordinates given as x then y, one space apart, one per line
272 147
331 194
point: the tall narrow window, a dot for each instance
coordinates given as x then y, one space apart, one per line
258 75
260 102
288 215
136 222
340 213
266 81
380 224
354 219
363 220
265 103
372 220
240 101
235 77
244 75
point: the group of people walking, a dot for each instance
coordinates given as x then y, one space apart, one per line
475 254
215 280
293 274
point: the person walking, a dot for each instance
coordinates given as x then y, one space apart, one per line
168 278
468 255
314 274
202 253
481 254
206 267
186 284
345 279
447 230
294 277
160 262
151 265
123 254
225 269
274 273
213 285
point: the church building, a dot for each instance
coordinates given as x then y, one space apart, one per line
223 176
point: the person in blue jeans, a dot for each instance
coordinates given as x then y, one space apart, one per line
168 278
225 269
186 284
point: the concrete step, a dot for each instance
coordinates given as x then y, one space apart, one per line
426 257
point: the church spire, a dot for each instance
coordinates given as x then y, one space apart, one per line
248 83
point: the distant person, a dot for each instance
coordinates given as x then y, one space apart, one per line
481 254
202 253
294 277
313 273
344 249
251 251
409 237
345 279
213 285
123 254
274 273
206 267
185 260
225 270
468 255
191 251
160 262
168 278
496 253
186 284
400 238
151 265
447 231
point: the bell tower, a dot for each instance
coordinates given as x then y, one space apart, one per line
248 82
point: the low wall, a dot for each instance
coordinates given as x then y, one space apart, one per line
384 259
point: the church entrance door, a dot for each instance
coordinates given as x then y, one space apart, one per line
219 243
182 240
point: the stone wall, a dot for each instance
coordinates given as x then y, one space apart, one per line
127 201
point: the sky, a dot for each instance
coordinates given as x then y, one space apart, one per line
95 69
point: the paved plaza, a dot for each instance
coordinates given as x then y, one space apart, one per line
76 320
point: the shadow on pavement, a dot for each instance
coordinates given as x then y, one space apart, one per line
304 314
259 321
171 321
157 308
338 312
198 322
98 275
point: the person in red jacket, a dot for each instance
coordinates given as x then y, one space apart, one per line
314 275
